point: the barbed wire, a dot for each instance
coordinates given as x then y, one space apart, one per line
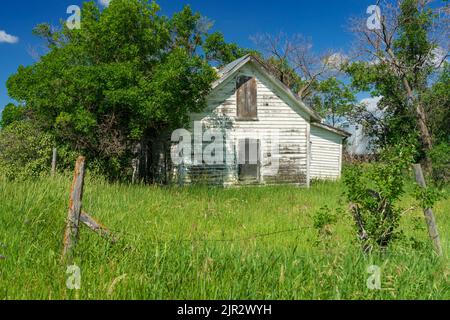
252 237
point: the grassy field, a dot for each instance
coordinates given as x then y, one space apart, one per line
200 243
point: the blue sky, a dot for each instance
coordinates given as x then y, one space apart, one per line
324 21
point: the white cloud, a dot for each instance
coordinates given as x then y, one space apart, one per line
372 106
104 3
438 56
374 62
7 38
336 60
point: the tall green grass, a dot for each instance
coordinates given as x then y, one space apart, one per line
205 243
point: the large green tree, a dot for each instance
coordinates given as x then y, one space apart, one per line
218 51
334 100
400 62
126 74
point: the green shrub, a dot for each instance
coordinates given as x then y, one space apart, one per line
10 114
440 157
323 219
25 151
373 190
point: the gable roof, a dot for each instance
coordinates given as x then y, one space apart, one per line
335 130
230 69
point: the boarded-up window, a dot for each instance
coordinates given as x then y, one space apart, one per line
247 96
249 160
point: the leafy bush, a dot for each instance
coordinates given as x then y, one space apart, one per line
427 197
10 114
25 151
440 157
373 191
323 219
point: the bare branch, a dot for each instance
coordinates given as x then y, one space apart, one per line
296 53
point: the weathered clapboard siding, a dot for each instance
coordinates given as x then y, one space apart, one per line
293 146
286 164
326 154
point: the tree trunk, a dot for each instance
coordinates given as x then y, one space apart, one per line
424 132
425 136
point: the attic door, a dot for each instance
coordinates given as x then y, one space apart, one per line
249 160
246 98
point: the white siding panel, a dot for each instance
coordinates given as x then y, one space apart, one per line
326 154
289 163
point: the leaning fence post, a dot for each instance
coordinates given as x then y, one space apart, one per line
429 215
73 219
55 154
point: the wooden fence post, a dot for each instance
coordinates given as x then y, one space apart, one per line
55 153
75 202
429 215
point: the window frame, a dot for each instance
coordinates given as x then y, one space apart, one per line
246 91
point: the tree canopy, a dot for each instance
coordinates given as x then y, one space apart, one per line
10 114
404 63
126 73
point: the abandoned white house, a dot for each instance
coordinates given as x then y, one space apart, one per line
269 135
